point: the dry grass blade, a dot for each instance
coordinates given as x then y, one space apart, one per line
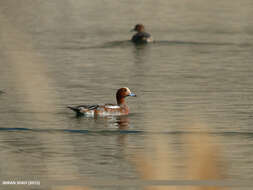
203 162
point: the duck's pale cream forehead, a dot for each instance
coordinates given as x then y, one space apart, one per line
127 89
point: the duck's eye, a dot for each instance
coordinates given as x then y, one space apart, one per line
125 90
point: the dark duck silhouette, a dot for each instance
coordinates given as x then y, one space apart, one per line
141 36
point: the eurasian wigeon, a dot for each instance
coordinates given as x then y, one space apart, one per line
141 36
106 109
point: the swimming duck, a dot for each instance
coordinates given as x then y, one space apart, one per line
106 109
141 36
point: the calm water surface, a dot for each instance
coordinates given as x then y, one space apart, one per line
196 77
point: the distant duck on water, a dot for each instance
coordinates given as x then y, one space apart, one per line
106 109
141 36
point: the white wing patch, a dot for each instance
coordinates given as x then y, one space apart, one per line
150 39
86 111
112 106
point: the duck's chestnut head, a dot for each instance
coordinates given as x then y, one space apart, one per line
122 93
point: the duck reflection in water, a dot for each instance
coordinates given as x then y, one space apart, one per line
114 122
122 122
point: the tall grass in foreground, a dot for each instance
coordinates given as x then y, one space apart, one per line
203 161
29 71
